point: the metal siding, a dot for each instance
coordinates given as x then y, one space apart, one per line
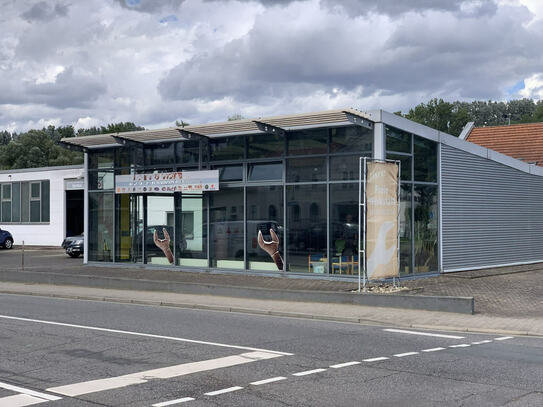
492 214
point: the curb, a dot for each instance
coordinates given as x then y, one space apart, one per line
464 305
284 314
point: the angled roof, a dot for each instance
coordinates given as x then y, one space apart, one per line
521 141
223 129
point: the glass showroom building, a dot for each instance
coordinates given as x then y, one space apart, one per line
462 206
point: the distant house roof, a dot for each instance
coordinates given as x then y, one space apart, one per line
521 141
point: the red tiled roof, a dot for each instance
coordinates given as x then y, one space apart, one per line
520 141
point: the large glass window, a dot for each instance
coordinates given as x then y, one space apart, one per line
101 180
344 228
229 173
228 148
265 145
398 140
265 172
425 217
264 212
306 228
16 203
188 152
351 139
101 159
425 156
226 228
159 154
306 142
6 202
308 169
405 161
405 229
100 237
345 168
191 229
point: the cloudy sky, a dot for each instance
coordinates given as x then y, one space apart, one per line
153 62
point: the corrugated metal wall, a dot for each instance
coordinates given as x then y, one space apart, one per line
492 213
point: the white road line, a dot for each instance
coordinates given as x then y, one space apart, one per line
266 381
432 349
375 359
340 365
401 355
93 386
28 392
308 372
118 331
503 338
461 345
222 391
402 331
172 402
481 342
20 400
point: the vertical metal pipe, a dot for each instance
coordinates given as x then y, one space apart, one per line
86 209
359 218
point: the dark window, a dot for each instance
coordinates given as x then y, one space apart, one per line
226 228
230 173
425 156
228 148
351 139
344 228
188 152
405 165
425 217
405 229
344 168
265 145
306 169
101 180
45 193
25 202
159 154
306 228
398 140
101 159
100 237
16 202
306 142
35 201
6 202
265 172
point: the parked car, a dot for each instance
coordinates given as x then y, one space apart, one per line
6 239
74 245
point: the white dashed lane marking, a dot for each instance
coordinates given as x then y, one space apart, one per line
222 391
403 331
270 380
173 402
308 372
340 365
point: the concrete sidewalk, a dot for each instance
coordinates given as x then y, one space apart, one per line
506 299
319 311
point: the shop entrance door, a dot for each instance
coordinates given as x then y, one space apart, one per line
159 218
191 228
129 236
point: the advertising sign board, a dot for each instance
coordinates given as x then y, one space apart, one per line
167 182
382 220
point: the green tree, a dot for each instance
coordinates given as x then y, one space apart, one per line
235 117
181 123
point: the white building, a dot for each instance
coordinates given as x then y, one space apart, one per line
41 206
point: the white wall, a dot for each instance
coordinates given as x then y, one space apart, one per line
52 233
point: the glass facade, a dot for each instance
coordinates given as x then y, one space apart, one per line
302 185
418 200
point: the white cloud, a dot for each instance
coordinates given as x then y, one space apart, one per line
533 87
93 63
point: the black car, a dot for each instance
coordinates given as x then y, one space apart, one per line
6 239
74 245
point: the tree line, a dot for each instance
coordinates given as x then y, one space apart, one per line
39 148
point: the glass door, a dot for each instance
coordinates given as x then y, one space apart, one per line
191 230
159 230
128 239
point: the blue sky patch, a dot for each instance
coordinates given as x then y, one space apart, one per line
169 19
513 90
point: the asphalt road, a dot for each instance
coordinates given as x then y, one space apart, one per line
56 352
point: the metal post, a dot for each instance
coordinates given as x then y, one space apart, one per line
23 258
364 225
398 205
359 217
